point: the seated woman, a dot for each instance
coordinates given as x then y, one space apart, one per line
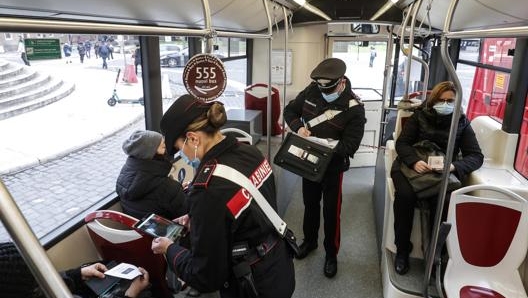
431 121
143 184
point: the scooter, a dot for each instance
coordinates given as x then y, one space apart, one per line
115 98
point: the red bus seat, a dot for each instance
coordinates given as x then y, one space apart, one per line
115 239
487 243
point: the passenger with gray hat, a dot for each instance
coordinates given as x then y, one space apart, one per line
328 109
144 185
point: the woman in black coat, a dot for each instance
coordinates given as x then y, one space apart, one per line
429 122
143 185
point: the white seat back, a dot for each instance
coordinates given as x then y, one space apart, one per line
487 242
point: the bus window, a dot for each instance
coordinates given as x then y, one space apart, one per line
521 159
488 93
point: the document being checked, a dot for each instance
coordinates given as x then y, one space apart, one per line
331 143
124 270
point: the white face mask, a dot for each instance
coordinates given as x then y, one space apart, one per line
444 108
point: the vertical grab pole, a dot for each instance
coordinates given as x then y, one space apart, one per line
402 48
384 105
450 145
210 33
30 248
268 102
286 27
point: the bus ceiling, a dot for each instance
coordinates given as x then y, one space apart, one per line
249 16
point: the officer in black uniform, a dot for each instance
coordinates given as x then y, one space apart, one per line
327 108
233 246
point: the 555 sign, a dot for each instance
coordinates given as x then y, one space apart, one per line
204 77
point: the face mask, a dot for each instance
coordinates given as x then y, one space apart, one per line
333 96
330 97
195 163
444 108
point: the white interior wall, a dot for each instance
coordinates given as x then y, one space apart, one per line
307 44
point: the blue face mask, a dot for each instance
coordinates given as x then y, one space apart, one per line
195 163
334 95
331 97
444 108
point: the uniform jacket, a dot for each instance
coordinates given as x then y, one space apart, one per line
347 127
144 187
221 215
426 124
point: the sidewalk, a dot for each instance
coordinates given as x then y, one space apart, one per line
78 120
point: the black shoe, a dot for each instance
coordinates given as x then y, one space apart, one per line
401 263
305 248
330 268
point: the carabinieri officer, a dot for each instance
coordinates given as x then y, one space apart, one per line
327 108
234 249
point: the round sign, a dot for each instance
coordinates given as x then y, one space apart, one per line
204 77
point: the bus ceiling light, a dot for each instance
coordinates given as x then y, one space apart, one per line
383 9
313 9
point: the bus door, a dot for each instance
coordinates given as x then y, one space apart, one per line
364 56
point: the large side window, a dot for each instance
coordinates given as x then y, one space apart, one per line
491 76
521 159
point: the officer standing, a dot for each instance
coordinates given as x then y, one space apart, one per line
234 249
327 108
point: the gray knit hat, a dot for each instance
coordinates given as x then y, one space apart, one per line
142 144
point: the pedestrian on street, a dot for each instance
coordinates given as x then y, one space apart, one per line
96 50
137 58
104 51
111 50
22 51
88 48
330 93
82 51
67 49
373 56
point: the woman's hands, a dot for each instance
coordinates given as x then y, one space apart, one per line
94 270
422 167
160 245
304 132
138 285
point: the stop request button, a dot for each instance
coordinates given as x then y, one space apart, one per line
204 77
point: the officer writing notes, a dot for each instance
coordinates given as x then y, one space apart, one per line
327 108
234 249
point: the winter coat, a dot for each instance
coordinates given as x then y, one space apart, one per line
348 127
144 187
426 124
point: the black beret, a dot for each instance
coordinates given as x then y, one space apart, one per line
328 72
180 114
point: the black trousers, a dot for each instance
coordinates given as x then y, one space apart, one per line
405 201
330 190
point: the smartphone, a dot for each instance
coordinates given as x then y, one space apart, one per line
157 226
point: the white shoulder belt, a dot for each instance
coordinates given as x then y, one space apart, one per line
329 114
236 177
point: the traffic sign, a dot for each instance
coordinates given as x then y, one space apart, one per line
42 48
204 77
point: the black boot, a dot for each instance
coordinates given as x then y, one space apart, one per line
305 248
401 263
330 267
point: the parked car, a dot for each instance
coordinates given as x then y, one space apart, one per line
173 55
